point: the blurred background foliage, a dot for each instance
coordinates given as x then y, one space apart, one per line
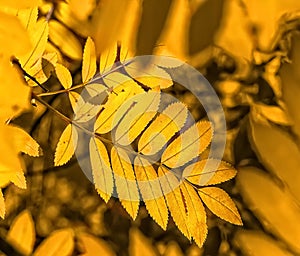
250 52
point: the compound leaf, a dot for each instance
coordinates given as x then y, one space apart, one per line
188 145
66 145
220 203
161 130
89 65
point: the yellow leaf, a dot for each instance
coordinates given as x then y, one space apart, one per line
64 76
94 246
135 114
18 179
10 161
188 145
139 244
272 204
151 192
102 173
66 145
39 38
107 59
82 8
2 205
22 233
89 64
105 121
176 26
24 142
125 181
75 100
42 69
86 111
12 33
20 4
173 249
196 215
150 75
174 198
220 203
65 40
28 17
59 243
240 43
161 130
208 172
257 243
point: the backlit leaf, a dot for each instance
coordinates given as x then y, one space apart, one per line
196 215
92 245
106 120
24 142
125 181
65 40
151 192
102 173
257 243
28 17
175 200
10 38
135 114
89 65
220 203
39 37
273 156
66 145
22 233
107 59
64 76
271 204
204 172
161 130
188 145
139 244
59 243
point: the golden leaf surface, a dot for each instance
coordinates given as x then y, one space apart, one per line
64 76
66 145
188 145
22 233
89 65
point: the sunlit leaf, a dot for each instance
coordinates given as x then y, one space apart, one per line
66 145
135 114
65 40
257 243
161 130
12 33
64 76
188 145
220 203
125 181
106 120
273 205
139 244
89 65
20 4
196 215
39 37
24 142
102 173
92 245
266 139
22 233
28 17
151 192
107 59
59 243
175 200
205 172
